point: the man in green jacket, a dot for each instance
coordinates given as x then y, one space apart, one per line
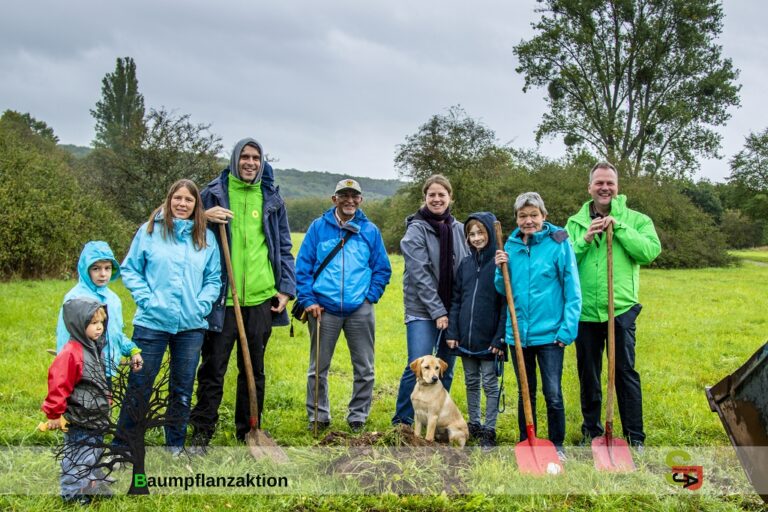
635 243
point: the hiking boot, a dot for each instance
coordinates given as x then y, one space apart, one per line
356 426
488 438
475 431
321 425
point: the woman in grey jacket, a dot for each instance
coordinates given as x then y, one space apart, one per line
433 247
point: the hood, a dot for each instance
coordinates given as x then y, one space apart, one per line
93 252
487 219
234 160
181 227
547 230
77 314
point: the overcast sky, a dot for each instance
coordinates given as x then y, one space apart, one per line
323 85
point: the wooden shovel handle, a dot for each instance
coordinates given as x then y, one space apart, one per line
252 397
513 316
611 333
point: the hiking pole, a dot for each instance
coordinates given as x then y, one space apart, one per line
317 368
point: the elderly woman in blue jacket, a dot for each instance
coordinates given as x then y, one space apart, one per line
545 284
173 272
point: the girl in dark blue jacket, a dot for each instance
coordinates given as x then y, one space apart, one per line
476 323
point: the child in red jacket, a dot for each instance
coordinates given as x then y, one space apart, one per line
78 399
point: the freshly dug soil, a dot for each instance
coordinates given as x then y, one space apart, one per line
397 461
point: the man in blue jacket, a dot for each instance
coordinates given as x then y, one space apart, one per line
341 297
245 198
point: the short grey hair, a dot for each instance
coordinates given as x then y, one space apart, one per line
530 199
603 165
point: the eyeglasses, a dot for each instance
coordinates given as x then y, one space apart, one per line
348 195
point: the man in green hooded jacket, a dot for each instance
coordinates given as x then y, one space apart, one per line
635 243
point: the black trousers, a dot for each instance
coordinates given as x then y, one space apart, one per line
216 352
590 344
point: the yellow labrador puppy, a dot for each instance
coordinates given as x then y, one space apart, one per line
432 405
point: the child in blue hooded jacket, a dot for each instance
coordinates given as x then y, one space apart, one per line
97 267
476 324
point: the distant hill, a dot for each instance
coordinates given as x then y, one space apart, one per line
77 151
296 184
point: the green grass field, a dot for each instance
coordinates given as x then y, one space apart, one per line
696 327
759 254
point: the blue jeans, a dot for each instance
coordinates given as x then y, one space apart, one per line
550 359
420 336
185 354
78 459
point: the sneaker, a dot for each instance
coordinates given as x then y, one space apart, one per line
639 447
199 450
356 426
488 438
175 451
561 453
77 499
321 425
475 431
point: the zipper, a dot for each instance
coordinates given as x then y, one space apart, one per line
528 305
245 245
341 232
472 307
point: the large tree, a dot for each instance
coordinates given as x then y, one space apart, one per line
642 82
749 167
749 174
119 113
445 144
137 178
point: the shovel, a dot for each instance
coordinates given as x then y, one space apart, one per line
536 456
258 441
611 454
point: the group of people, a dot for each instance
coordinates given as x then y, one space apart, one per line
453 297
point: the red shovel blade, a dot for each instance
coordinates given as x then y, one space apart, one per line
612 454
538 457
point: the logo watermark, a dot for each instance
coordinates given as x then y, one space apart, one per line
683 473
203 481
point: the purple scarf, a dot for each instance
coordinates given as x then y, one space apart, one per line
442 224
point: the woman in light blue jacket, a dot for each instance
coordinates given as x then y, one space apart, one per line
173 272
545 283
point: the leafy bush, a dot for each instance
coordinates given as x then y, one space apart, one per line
47 215
302 211
740 231
689 236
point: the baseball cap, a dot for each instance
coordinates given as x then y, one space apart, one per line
348 184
